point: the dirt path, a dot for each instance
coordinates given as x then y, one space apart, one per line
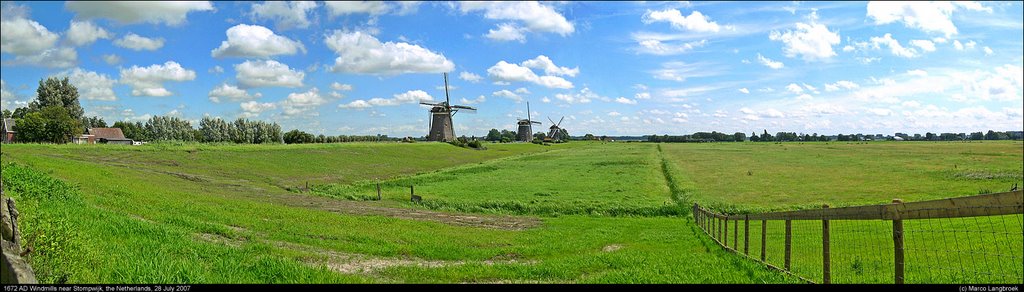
253 191
369 208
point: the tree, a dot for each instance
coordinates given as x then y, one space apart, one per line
50 124
739 137
539 135
135 131
977 136
93 122
589 136
58 92
991 135
506 134
493 135
7 114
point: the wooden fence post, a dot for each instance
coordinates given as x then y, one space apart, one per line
736 235
764 238
378 191
725 232
897 239
826 260
746 234
718 220
789 241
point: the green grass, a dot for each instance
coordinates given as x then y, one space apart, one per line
117 223
600 179
744 177
608 213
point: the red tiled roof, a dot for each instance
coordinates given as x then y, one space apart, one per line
107 133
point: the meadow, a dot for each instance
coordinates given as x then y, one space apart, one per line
568 213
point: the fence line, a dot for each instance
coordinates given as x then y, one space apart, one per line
976 239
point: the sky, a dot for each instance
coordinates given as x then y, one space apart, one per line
608 68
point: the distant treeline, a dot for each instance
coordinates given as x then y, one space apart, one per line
300 137
211 130
700 137
792 137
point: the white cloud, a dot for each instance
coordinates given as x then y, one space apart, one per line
217 69
286 15
302 102
507 32
255 41
769 62
362 53
470 77
804 97
584 96
25 37
794 88
917 72
266 73
933 17
939 40
91 85
988 51
507 72
534 16
82 33
545 100
614 114
744 90
679 71
111 59
138 43
478 99
412 96
508 94
252 109
542 62
51 58
522 90
373 8
925 45
232 93
894 46
695 22
642 95
842 84
340 86
129 12
811 41
881 112
848 48
624 100
958 46
654 46
911 104
148 81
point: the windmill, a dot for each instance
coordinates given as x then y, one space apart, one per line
556 131
525 132
441 117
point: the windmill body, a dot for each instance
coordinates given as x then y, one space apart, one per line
441 128
525 132
555 132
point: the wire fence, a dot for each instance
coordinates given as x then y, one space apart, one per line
977 239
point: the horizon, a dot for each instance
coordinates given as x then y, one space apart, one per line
620 68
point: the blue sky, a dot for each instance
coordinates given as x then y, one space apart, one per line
613 68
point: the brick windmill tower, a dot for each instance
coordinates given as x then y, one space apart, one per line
525 132
441 117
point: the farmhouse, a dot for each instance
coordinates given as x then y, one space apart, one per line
8 131
106 135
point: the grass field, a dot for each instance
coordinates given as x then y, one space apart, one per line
569 213
600 179
766 176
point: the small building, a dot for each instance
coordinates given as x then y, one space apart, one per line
8 131
109 136
84 139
